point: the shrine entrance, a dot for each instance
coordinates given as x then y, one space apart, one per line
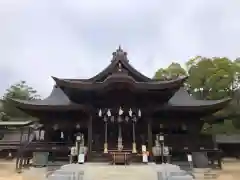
118 130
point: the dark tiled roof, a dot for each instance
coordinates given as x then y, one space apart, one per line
57 97
231 139
182 98
57 100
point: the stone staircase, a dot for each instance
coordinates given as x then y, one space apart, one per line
132 172
203 174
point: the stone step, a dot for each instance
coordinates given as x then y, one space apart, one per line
101 171
206 175
201 170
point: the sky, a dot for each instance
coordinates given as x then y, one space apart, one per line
76 38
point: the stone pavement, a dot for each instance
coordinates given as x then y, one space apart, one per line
100 171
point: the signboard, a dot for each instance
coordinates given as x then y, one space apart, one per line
144 148
189 157
166 151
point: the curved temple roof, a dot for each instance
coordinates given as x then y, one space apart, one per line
120 78
139 76
120 57
120 71
57 99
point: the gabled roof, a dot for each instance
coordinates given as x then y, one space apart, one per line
119 71
57 99
120 60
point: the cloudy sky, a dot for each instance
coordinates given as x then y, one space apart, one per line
75 38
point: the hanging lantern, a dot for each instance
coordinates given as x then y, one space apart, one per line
78 126
134 119
108 113
120 112
105 119
139 113
55 127
184 127
112 119
100 113
119 119
130 112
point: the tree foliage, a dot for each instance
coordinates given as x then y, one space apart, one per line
174 70
17 91
212 78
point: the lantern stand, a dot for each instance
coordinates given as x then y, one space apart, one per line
134 120
119 120
105 119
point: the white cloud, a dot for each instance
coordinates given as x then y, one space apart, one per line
72 38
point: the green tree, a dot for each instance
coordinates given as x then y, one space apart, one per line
174 70
17 91
212 78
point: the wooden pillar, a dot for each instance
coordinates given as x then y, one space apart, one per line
29 132
150 143
21 136
89 138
